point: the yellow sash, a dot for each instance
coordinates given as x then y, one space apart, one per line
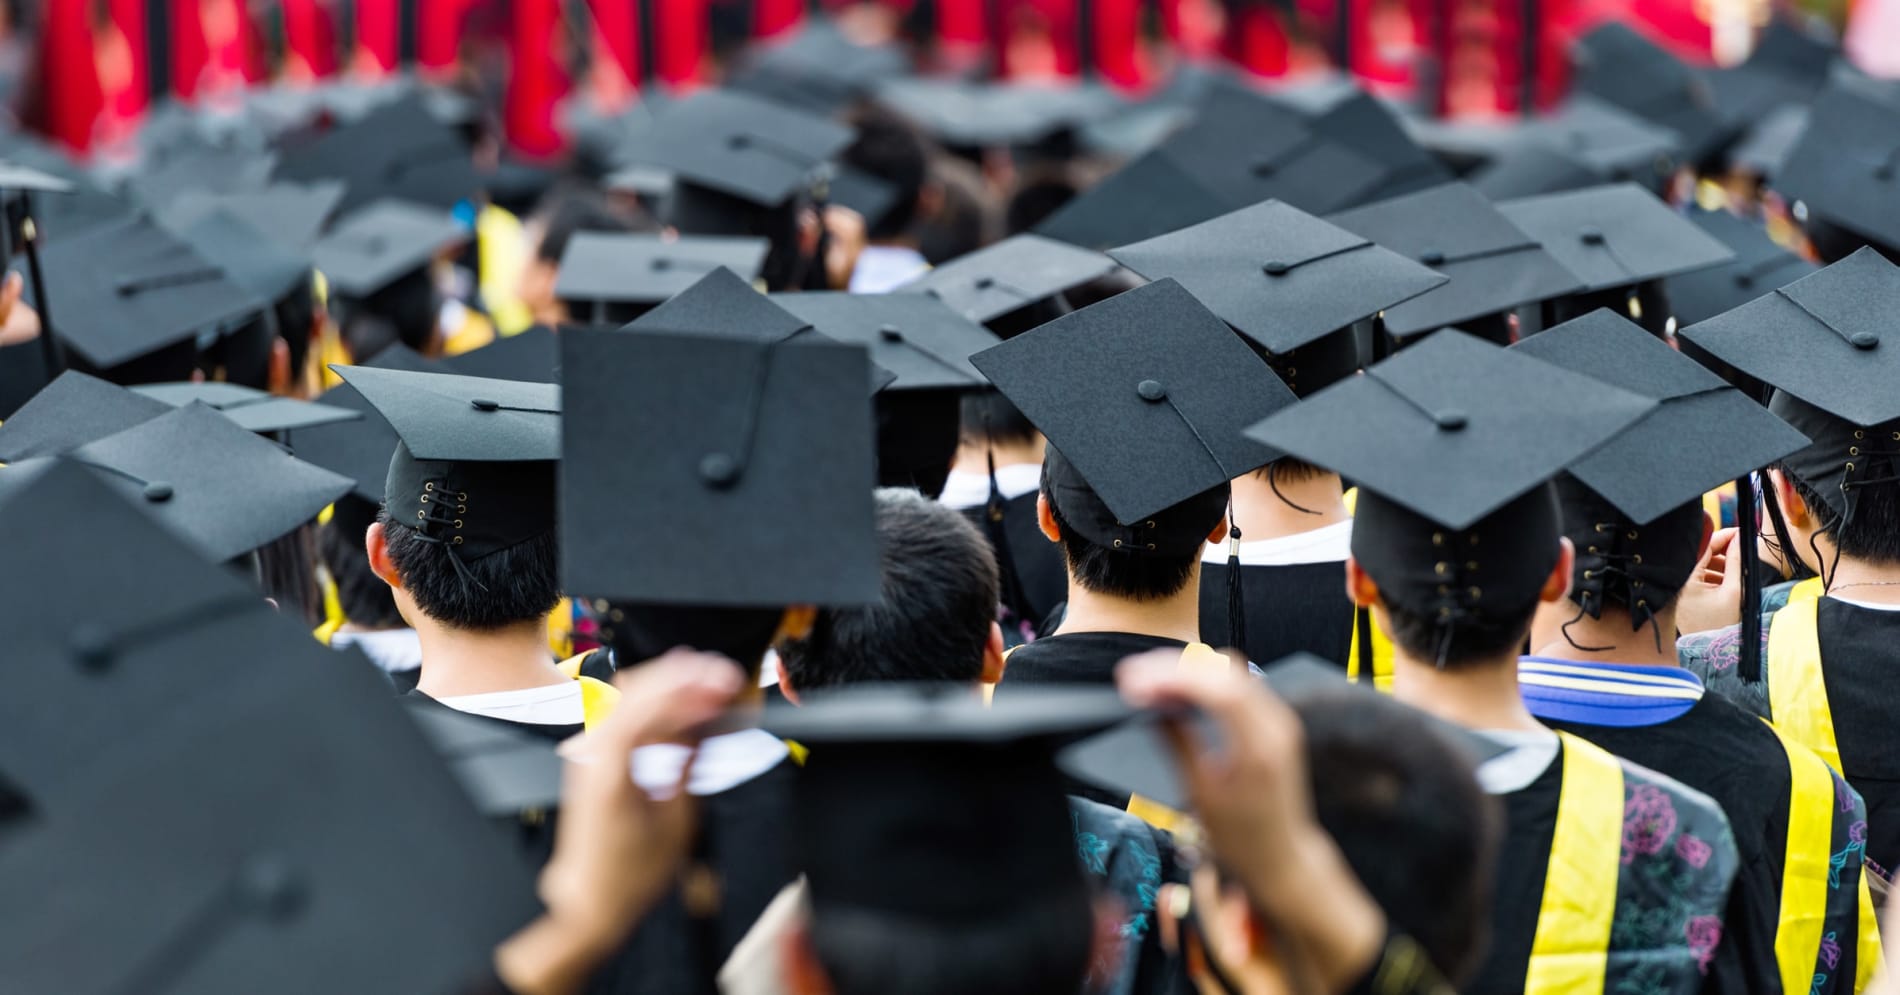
1804 867
598 698
1570 952
1797 694
1381 655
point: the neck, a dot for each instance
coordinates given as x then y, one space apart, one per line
1262 514
1860 580
899 242
974 455
1174 617
1610 639
463 661
1478 694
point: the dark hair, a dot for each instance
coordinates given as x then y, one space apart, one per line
245 352
1036 200
1873 535
405 311
514 585
1421 634
639 632
1144 576
988 416
936 604
166 365
889 149
1041 944
1291 470
364 598
286 570
574 211
1404 805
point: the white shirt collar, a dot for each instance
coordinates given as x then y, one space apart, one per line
883 268
1531 754
549 705
394 650
1328 544
724 762
963 489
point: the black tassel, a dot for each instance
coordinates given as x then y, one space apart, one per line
1746 535
1236 603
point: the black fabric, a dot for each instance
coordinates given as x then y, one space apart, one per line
1530 823
1078 658
1734 758
743 840
1041 577
1296 608
479 507
1863 692
556 732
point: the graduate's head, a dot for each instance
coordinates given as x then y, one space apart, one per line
515 585
935 621
1402 801
1152 560
989 419
405 311
1455 598
639 632
272 351
1840 494
566 213
1622 569
365 600
889 149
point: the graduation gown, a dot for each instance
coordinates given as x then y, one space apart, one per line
1295 608
1610 878
1128 860
1793 917
1077 658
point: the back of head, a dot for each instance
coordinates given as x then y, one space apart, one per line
1403 803
934 617
406 311
1152 572
1638 569
889 149
1036 199
989 417
362 595
571 211
1848 476
512 586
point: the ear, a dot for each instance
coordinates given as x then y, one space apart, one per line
379 562
1794 511
1359 585
281 379
796 623
1046 518
1219 535
784 679
802 973
1557 585
993 662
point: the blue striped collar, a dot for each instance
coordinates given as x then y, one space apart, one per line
1620 695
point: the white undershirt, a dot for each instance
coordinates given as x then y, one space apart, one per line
552 705
1328 544
1531 754
394 650
883 268
724 763
1871 605
963 489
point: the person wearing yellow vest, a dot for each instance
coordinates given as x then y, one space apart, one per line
1827 674
1611 876
1605 666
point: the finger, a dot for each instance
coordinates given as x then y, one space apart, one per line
1246 713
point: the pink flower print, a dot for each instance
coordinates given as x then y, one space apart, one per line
1830 951
1693 851
1649 819
1857 833
1843 795
1704 933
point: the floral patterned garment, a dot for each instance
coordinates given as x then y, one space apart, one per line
1715 655
1129 860
1679 860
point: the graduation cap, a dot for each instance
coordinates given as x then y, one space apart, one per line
1142 397
1492 264
740 146
869 821
17 176
716 471
1759 266
1846 166
817 69
1617 235
1280 276
474 468
397 151
291 214
1618 65
532 355
124 290
914 336
1008 276
986 115
1149 196
1612 142
1527 169
382 243
600 270
71 411
1635 503
1362 122
504 771
249 408
358 449
200 166
222 488
1244 149
265 268
1786 67
1826 344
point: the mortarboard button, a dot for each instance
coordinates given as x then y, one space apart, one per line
1151 390
1450 420
1432 257
157 491
719 470
1864 340
1590 235
483 404
91 645
890 334
270 885
1275 267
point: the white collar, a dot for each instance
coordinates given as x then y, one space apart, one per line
1869 605
1531 754
548 705
394 650
883 268
1327 544
724 762
963 489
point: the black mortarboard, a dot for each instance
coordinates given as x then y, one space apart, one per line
249 408
716 471
1764 149
16 176
398 151
872 197
740 146
1144 396
1826 344
914 336
1493 265
1360 121
818 69
1616 235
1786 67
261 265
1614 143
503 770
200 167
292 214
1010 275
1702 433
1280 276
1244 149
870 826
70 412
532 355
979 115
222 488
358 449
1151 195
121 291
1846 167
602 270
474 469
380 244
1526 169
1618 65
1759 266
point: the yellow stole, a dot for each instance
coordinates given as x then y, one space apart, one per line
1381 654
1797 694
1571 948
598 698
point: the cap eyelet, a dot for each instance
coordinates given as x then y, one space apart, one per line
457 541
1637 559
461 509
1853 450
1438 538
425 499
1858 434
1443 568
1475 593
600 605
1471 565
1444 590
1151 547
1589 575
1600 528
1444 612
616 615
1630 535
429 486
1118 544
458 523
1850 468
1151 523
421 515
1592 550
463 496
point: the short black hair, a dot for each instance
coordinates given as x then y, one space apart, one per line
364 598
937 602
988 416
518 584
287 572
1403 804
639 632
890 149
573 211
1422 635
1035 200
1873 535
1143 576
1041 944
405 311
1290 469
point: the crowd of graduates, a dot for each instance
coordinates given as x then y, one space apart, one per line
851 530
